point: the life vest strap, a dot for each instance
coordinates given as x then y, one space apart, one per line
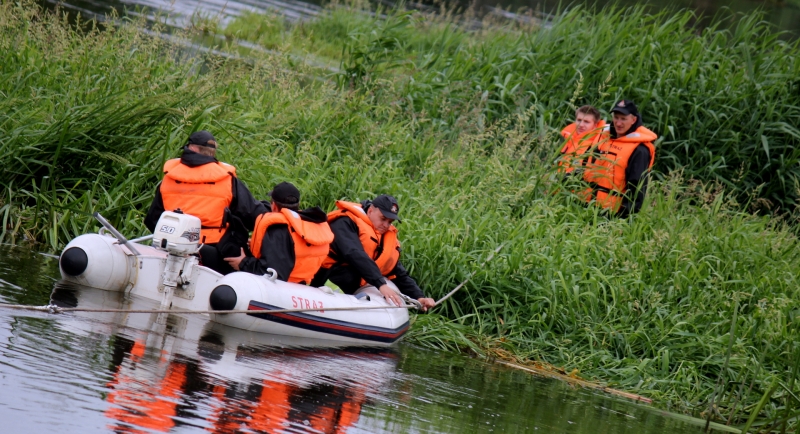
596 187
213 227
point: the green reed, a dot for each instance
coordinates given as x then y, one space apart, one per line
644 304
726 102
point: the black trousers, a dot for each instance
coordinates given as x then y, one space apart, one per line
212 258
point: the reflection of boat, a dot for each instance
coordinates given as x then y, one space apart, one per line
171 274
183 369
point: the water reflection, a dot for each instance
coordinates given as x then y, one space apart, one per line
142 373
171 371
151 391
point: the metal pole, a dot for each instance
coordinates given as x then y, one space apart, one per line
140 239
124 241
460 285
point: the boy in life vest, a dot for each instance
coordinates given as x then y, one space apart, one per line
292 242
365 251
198 184
617 169
581 135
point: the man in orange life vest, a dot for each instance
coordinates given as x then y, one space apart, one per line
365 251
617 170
200 185
294 243
581 135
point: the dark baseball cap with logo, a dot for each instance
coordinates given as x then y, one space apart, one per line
285 194
388 206
202 138
625 107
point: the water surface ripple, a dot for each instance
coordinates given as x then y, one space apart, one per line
137 373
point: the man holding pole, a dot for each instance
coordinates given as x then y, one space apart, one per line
365 251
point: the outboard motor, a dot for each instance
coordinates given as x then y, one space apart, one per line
177 234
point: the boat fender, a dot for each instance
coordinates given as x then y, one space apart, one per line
223 297
96 261
74 261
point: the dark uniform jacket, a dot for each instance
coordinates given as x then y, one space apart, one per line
353 264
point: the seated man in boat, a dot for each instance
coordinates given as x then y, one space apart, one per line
292 242
365 251
581 136
617 171
198 184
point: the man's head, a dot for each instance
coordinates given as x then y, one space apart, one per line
383 212
625 116
285 195
586 119
203 143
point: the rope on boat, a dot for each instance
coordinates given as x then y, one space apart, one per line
52 308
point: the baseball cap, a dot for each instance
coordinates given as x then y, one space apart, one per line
388 206
286 194
626 107
202 138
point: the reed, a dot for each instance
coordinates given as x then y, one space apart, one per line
460 127
726 102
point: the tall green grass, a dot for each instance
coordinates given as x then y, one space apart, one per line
645 304
725 101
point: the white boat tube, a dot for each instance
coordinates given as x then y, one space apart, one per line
170 274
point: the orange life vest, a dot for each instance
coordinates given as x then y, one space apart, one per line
605 170
578 144
385 250
311 242
203 191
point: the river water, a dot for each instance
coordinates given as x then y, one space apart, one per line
139 373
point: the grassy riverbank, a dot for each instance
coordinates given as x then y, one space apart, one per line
461 128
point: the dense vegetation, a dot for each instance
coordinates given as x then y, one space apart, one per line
692 302
726 103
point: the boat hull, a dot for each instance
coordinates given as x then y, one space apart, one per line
98 261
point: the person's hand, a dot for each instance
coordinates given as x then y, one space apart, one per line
390 295
235 261
426 303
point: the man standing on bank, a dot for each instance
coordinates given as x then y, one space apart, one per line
198 184
617 170
292 242
365 251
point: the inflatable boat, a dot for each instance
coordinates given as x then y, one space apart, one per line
168 271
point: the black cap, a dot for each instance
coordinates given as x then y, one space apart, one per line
388 206
626 107
285 194
202 138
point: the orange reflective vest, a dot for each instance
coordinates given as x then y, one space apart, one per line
605 169
384 250
578 144
311 242
203 191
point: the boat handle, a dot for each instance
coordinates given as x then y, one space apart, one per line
271 275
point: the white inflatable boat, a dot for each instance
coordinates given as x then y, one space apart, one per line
168 271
